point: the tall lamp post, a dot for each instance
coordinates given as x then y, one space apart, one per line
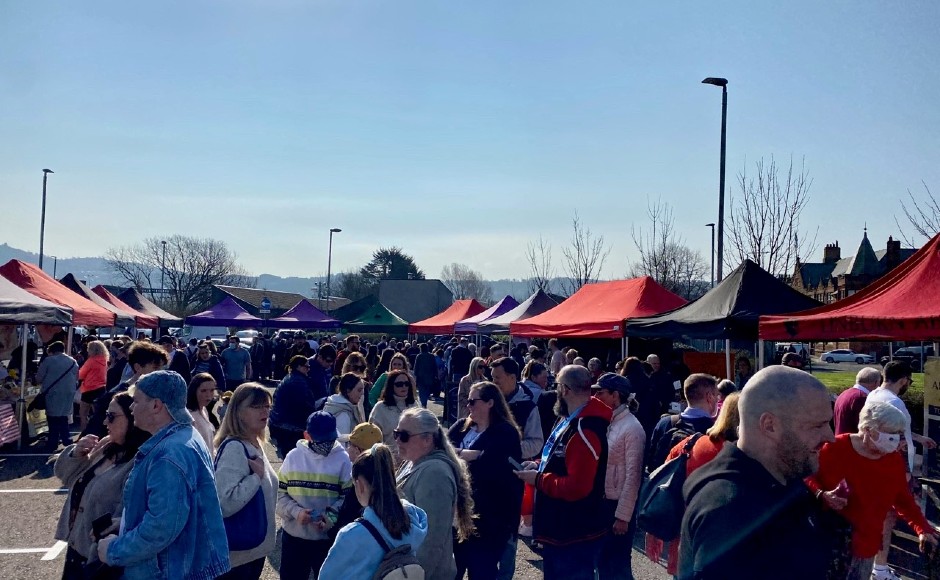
42 219
723 83
329 264
55 264
712 226
163 270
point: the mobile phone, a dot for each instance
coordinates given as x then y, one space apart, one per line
101 525
515 464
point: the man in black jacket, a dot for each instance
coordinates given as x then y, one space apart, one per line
749 514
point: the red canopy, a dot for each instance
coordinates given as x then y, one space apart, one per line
599 310
443 322
38 283
902 305
141 320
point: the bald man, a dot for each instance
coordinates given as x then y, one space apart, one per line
749 514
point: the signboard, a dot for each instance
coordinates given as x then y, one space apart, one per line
931 413
265 306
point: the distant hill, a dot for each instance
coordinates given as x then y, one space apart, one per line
95 271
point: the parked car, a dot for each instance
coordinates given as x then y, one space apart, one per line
846 355
247 337
910 355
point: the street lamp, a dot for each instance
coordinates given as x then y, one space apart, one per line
42 219
55 264
712 226
163 269
329 264
723 83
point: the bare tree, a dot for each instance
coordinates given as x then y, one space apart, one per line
353 285
764 219
192 267
584 258
541 268
465 282
923 215
664 255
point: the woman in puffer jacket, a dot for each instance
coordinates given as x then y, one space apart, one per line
94 377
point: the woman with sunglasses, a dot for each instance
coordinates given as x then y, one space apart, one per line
293 403
435 480
487 439
95 470
477 374
345 405
397 362
397 396
356 363
200 394
242 469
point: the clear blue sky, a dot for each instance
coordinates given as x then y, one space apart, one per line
457 130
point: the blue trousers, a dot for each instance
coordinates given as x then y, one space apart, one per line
575 562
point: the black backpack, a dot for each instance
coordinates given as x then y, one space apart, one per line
677 432
661 503
398 563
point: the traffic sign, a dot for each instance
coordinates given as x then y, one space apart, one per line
265 306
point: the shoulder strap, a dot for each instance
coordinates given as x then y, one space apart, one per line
674 419
60 377
690 444
375 533
218 453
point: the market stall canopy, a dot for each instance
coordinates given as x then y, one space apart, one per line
531 306
141 320
122 318
730 310
38 283
303 315
901 305
470 325
377 319
17 306
599 310
354 309
139 302
225 313
443 322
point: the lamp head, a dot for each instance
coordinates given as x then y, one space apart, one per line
48 171
717 81
335 230
711 225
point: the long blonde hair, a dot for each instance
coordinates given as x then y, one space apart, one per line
232 425
427 422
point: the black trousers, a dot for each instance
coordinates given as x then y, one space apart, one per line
299 556
478 556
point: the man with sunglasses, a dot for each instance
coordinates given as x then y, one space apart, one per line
897 380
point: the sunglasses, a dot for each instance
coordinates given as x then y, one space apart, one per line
110 417
358 367
472 402
404 436
401 384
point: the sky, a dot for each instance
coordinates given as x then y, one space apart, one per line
459 131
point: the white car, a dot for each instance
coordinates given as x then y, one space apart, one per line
846 355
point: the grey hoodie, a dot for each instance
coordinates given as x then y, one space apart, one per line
431 484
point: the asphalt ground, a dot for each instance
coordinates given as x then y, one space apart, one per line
31 500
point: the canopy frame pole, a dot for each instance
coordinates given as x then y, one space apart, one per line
728 374
760 354
68 341
21 402
623 348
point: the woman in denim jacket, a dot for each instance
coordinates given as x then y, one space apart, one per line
172 525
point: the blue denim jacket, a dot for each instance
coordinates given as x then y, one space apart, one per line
172 524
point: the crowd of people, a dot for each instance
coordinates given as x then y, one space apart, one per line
170 477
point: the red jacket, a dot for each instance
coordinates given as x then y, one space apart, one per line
875 485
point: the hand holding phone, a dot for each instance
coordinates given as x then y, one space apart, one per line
101 525
515 464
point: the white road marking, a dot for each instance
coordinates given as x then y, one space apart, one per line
26 551
55 550
50 490
11 455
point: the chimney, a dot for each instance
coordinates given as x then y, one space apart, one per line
832 253
893 254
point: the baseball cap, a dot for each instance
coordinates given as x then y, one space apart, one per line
364 436
170 388
614 382
321 426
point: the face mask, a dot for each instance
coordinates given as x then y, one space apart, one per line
321 447
887 443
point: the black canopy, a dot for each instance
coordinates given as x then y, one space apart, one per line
730 310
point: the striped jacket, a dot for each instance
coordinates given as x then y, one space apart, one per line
308 481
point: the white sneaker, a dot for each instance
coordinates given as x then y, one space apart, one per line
525 530
886 574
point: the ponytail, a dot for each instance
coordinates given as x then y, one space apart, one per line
375 466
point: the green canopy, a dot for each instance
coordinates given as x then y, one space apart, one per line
377 319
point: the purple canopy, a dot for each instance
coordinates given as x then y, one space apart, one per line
225 313
531 306
304 315
471 325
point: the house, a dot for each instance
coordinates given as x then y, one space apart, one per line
836 277
415 300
